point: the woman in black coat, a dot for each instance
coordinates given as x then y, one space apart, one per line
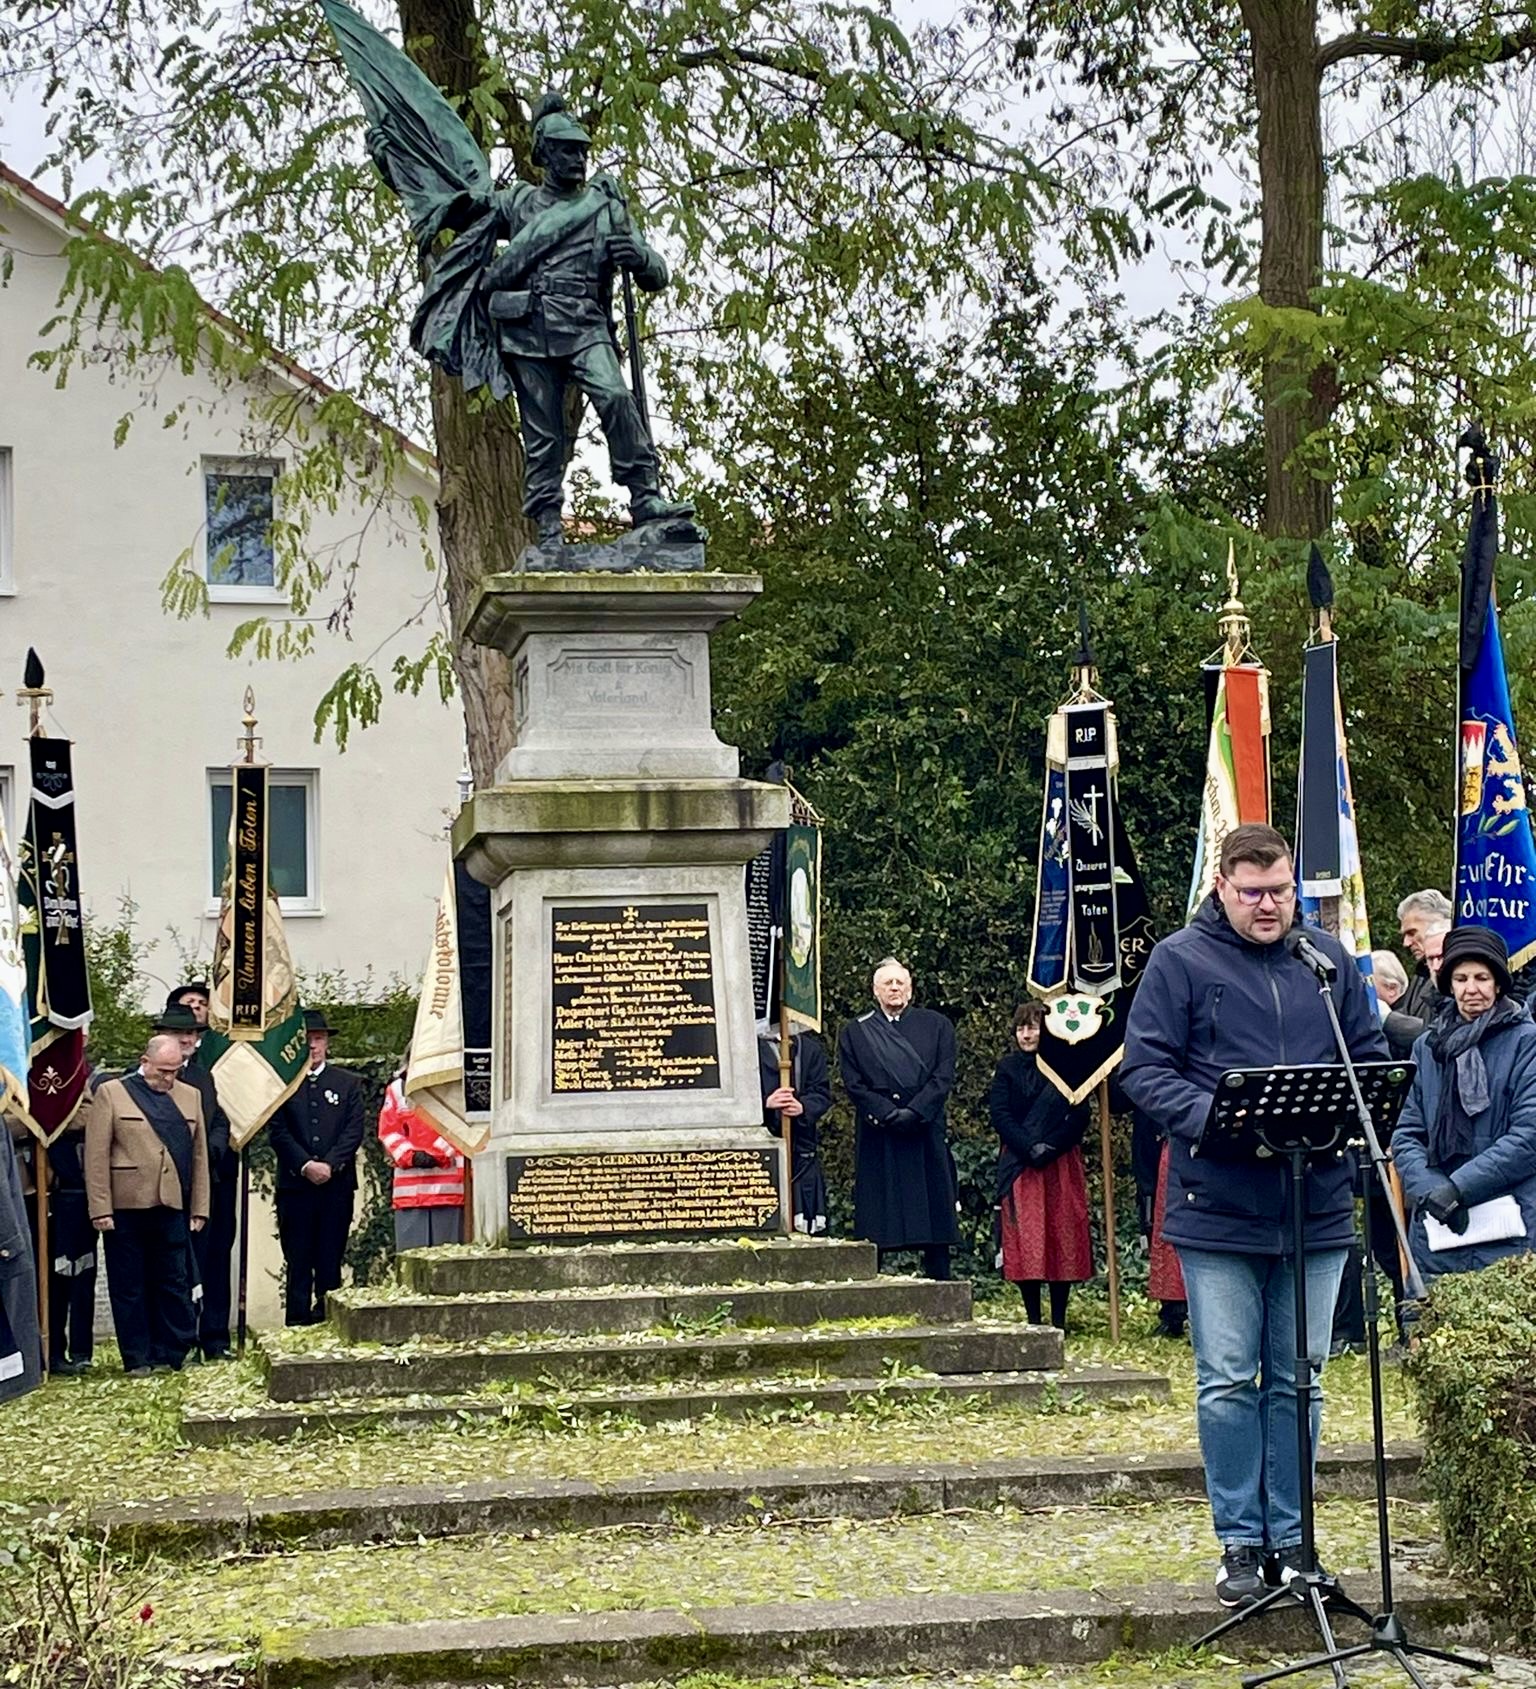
1041 1187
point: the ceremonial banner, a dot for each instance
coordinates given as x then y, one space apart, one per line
1331 880
765 901
248 899
434 1078
1236 789
765 916
802 937
474 935
53 941
15 1040
1495 881
256 1066
1093 929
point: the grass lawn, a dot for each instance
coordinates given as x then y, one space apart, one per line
244 1601
104 1437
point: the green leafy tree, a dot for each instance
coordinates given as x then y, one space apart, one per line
806 165
1175 88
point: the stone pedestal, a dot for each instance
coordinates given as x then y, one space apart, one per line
625 1083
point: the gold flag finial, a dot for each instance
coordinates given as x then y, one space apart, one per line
1233 621
248 740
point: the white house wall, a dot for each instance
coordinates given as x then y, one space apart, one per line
153 702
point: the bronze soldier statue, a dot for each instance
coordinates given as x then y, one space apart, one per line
521 301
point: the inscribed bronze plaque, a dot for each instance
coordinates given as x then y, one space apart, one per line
632 998
642 1193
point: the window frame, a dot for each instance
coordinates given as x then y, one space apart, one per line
225 463
309 780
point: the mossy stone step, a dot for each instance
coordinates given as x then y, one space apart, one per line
460 1272
897 1634
734 1398
224 1524
364 1317
837 1354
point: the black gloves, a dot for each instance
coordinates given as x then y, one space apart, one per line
423 1158
904 1120
1444 1201
1042 1154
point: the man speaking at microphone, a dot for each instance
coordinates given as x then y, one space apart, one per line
1223 993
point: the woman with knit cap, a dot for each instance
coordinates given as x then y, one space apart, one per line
1465 1146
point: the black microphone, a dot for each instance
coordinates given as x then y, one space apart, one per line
1308 954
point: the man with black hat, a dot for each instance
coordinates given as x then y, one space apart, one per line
194 996
316 1135
213 1246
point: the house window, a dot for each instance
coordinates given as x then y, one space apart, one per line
293 832
7 583
239 502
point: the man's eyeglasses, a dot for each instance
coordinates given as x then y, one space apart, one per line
1252 896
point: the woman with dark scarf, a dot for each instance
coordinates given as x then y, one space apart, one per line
1042 1193
1465 1145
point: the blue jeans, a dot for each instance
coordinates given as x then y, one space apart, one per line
1242 1321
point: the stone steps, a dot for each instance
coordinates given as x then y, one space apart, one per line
225 1524
732 1397
443 1371
361 1316
900 1634
460 1272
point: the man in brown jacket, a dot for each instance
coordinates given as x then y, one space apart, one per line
146 1184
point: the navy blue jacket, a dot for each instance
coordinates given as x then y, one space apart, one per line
1209 1001
1503 1158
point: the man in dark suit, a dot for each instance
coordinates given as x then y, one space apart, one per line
146 1184
316 1136
898 1066
213 1246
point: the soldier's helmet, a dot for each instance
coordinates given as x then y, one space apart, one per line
552 122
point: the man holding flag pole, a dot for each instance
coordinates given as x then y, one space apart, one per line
255 1047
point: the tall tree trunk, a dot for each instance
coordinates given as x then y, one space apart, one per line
481 527
1298 393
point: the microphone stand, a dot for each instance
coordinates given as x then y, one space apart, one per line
1388 1635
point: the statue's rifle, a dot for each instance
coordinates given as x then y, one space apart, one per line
632 336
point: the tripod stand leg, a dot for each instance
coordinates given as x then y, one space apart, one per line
1314 1662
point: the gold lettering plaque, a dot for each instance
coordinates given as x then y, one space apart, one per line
632 998
646 1193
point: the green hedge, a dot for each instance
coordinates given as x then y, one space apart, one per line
1475 1376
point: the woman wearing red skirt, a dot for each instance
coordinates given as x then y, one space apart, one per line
1041 1191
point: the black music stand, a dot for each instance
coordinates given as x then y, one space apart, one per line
1300 1114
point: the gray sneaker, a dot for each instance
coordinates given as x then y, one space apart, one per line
1240 1577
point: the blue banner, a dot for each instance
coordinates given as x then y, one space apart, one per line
1048 952
1495 851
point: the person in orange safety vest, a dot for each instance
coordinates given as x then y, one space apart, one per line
429 1174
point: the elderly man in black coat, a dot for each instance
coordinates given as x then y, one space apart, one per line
898 1067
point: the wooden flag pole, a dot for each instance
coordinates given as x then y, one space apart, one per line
247 742
1111 1246
35 696
786 1120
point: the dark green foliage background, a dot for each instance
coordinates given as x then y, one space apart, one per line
926 527
1477 1403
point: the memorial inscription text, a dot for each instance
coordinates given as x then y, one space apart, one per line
632 998
648 1193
